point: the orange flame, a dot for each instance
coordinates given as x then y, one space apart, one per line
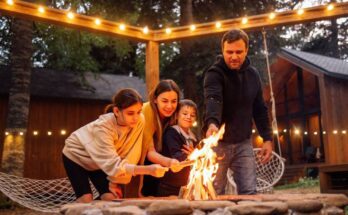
203 171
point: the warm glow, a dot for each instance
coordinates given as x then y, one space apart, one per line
334 131
70 15
300 12
297 131
49 133
285 130
275 132
344 132
305 133
245 20
10 2
6 133
202 174
315 133
192 27
324 132
21 133
195 124
330 7
122 27
97 21
253 131
35 133
218 24
168 30
63 132
145 30
41 9
271 16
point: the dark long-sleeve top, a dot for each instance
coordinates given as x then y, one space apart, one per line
173 141
235 98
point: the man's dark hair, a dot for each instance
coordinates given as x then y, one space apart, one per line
234 35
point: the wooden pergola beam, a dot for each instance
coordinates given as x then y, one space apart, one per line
30 11
154 37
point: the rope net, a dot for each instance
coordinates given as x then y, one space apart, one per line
40 195
267 175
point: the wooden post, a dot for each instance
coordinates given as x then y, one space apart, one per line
152 65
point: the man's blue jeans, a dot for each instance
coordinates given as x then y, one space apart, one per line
240 159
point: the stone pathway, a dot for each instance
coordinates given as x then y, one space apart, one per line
226 205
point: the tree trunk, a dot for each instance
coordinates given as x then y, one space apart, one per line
19 97
186 18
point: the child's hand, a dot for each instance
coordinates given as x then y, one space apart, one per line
157 170
175 165
187 149
116 190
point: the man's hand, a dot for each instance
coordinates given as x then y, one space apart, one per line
266 152
211 130
157 170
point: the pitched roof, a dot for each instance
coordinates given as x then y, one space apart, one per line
50 83
316 63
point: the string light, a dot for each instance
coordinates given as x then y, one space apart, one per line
195 124
192 27
272 16
218 24
297 131
7 133
344 132
275 132
35 133
10 2
300 12
122 27
21 133
315 133
330 7
253 131
244 20
70 15
63 132
145 30
97 21
49 133
41 9
305 133
168 30
285 130
334 131
324 132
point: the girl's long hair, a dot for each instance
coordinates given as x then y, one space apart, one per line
162 86
123 99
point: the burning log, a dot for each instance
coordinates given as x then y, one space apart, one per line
204 167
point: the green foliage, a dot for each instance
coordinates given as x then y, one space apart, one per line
302 183
5 39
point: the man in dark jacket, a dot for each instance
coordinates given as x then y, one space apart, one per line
233 96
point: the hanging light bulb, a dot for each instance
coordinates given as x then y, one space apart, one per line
344 132
63 132
145 30
285 130
253 131
35 133
297 131
192 27
334 131
49 133
315 133
122 27
218 24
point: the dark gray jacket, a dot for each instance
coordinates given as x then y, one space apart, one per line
235 98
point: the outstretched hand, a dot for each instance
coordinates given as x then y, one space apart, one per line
211 130
187 149
157 170
175 165
266 152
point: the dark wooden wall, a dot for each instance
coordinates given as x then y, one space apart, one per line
334 104
43 152
3 114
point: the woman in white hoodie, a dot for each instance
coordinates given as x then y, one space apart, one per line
107 150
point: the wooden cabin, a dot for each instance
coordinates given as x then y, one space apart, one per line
60 104
312 110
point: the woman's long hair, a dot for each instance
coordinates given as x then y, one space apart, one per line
123 99
162 86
